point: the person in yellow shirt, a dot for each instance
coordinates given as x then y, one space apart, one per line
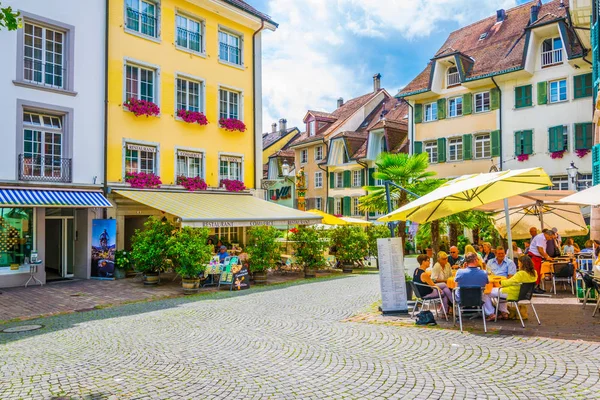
471 249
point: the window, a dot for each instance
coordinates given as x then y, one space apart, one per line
16 237
432 150
303 156
551 52
582 86
140 158
558 91
318 153
452 77
142 17
338 207
584 136
524 142
357 178
189 164
455 149
355 210
189 95
319 203
558 138
43 147
318 180
312 128
560 182
43 56
189 34
523 97
584 181
139 83
230 168
482 102
430 112
229 234
483 146
339 179
455 107
229 104
230 49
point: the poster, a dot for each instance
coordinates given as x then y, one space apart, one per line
104 239
391 276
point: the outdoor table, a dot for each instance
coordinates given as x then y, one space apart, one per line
494 282
210 272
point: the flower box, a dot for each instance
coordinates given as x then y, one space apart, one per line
557 154
582 152
142 107
192 184
232 185
232 124
192 117
522 157
143 180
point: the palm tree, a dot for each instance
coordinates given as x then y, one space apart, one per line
407 171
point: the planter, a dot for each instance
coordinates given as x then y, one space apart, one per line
260 277
347 268
130 273
409 292
190 285
310 273
151 278
120 273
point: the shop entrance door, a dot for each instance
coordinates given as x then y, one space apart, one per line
60 247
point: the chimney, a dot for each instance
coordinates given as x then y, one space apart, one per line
340 102
533 16
274 127
376 82
282 125
500 15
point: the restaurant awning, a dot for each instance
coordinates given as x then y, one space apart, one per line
215 210
19 197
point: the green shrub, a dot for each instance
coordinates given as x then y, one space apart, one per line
309 245
149 246
188 251
375 232
262 248
351 243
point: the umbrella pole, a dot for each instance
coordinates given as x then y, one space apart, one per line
508 230
540 206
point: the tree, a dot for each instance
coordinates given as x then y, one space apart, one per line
9 19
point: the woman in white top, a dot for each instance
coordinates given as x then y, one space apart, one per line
442 270
517 252
568 248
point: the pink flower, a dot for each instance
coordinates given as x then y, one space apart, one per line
523 157
232 124
233 185
143 180
557 154
192 117
141 107
192 184
582 152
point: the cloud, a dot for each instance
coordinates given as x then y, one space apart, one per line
317 54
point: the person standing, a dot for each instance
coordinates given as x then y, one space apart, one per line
537 252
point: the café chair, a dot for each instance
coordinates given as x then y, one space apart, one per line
563 272
590 283
470 300
428 302
525 296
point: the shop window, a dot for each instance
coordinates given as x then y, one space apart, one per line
16 236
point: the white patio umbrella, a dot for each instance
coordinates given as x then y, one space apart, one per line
588 197
356 221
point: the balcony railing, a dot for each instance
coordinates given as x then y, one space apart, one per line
229 53
551 57
453 79
141 22
44 74
44 168
189 39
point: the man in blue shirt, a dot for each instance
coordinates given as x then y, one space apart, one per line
502 266
223 254
472 275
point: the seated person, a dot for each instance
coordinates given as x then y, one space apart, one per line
470 276
510 288
223 254
442 270
423 277
471 249
218 246
455 260
527 245
568 248
502 266
589 247
487 253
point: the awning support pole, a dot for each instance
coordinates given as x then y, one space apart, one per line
508 230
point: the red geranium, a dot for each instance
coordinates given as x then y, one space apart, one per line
232 124
142 107
523 157
143 180
582 152
192 117
557 154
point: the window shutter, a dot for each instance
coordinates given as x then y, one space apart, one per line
441 108
331 180
330 205
582 85
518 151
542 95
555 139
583 136
346 206
418 113
596 164
418 147
527 142
362 176
494 99
441 150
371 180
467 145
523 96
347 179
467 103
495 139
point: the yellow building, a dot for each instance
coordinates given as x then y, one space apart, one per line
200 56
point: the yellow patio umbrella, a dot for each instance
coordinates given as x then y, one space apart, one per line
356 221
470 191
328 219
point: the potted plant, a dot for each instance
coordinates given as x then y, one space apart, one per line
409 291
149 248
122 264
309 245
351 244
263 251
143 180
192 184
141 107
233 185
189 252
232 124
192 117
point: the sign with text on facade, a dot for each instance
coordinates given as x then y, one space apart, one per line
231 224
390 258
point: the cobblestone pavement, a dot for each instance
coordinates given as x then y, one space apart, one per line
282 343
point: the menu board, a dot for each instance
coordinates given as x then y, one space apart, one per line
391 276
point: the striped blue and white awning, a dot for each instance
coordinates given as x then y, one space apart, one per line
11 197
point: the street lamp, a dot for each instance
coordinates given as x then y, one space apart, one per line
572 170
285 168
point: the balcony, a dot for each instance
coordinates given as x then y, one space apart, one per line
453 79
229 53
44 168
552 57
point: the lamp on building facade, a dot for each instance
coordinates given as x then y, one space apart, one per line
285 168
573 171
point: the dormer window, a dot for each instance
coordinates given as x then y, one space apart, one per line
552 52
452 77
312 128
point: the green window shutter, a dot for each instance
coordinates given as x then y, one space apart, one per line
467 146
555 139
418 113
542 92
518 148
523 96
441 108
494 99
467 104
330 205
371 213
441 148
331 180
495 136
596 164
582 85
583 136
362 176
418 147
346 206
371 180
347 178
527 142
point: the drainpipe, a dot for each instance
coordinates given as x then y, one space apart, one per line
262 26
106 29
411 144
500 127
326 173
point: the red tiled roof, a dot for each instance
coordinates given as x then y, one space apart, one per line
242 5
273 137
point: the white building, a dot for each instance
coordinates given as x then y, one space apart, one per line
52 158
